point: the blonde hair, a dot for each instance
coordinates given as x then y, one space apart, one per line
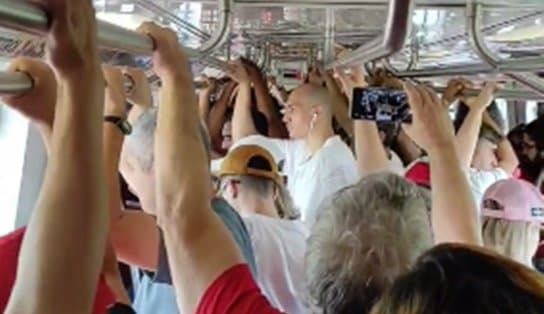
284 203
517 240
454 278
366 236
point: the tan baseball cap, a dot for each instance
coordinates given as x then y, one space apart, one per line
250 160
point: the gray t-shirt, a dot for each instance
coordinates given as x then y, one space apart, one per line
236 226
156 295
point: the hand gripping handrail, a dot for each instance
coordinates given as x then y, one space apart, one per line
188 27
30 18
213 42
395 33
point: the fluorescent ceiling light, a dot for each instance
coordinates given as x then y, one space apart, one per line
127 8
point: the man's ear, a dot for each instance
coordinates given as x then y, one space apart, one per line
317 110
233 189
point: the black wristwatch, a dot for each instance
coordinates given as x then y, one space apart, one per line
120 308
121 123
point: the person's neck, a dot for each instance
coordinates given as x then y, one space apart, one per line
317 137
260 206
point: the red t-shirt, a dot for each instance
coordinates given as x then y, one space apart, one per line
235 292
10 245
519 174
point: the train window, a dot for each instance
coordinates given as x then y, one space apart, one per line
531 111
13 132
503 109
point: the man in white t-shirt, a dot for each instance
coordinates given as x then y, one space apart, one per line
317 163
395 163
251 183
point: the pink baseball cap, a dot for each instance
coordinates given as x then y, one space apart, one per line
514 200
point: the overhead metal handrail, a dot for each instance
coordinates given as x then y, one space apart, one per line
455 70
528 64
272 32
507 94
222 32
214 41
474 12
345 4
17 83
264 58
487 28
395 33
328 49
14 83
524 65
308 36
30 18
156 9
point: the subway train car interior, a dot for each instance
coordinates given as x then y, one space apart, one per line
281 156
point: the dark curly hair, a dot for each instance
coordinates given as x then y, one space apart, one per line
535 130
486 132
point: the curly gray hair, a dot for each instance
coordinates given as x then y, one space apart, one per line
366 236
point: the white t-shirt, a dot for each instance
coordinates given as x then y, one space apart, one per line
481 180
395 164
312 179
279 247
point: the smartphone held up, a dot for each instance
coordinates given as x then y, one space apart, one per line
380 104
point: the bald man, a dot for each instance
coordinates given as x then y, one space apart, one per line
317 163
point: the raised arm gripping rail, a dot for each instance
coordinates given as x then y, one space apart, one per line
30 18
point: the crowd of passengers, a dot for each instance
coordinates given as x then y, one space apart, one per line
248 198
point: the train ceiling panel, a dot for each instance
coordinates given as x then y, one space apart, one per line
440 37
438 25
416 38
459 35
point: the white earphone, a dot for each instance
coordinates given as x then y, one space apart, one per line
314 120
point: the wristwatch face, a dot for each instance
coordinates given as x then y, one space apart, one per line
121 123
119 308
125 127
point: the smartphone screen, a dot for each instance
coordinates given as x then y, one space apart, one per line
380 104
